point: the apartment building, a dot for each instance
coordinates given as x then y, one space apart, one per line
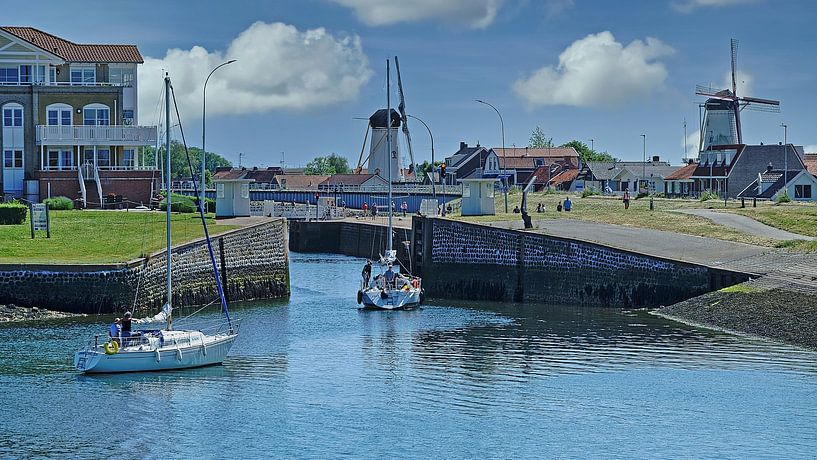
70 120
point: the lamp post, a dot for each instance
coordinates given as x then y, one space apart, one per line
504 162
433 189
592 144
644 163
785 155
204 126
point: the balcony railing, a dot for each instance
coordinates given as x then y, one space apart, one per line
123 167
96 135
62 83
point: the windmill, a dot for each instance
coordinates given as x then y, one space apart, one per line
721 121
379 123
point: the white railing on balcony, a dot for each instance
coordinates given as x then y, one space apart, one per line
96 135
122 167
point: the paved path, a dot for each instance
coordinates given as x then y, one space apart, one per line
773 267
745 224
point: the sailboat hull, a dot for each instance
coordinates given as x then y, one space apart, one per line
211 350
394 299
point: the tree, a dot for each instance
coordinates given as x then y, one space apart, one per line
538 139
328 165
179 168
425 168
588 154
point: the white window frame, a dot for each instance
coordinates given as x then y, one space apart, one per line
87 75
16 122
61 109
245 191
220 190
96 106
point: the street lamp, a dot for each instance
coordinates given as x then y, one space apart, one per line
644 164
592 144
785 155
504 162
433 189
203 125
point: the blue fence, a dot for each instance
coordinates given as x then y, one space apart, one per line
352 200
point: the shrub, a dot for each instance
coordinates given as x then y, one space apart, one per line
784 197
209 205
61 203
642 195
590 191
179 203
12 213
709 195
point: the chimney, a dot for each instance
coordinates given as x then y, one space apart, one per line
769 167
656 159
463 145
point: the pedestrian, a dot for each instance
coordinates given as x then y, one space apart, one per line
516 210
365 209
568 204
404 208
626 199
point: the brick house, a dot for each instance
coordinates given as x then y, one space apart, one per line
70 120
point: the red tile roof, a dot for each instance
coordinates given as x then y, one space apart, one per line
684 172
810 160
520 152
300 181
76 52
349 179
565 177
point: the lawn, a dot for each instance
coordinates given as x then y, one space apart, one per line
89 237
611 210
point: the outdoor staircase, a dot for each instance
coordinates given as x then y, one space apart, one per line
87 172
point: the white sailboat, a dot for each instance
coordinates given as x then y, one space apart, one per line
390 290
166 348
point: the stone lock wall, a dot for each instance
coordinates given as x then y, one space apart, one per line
358 239
477 262
253 261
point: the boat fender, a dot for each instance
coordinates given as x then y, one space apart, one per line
158 356
359 297
178 353
422 295
204 349
111 348
383 294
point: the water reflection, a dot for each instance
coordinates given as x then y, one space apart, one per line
315 377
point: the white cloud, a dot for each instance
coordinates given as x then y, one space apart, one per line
744 83
688 6
598 71
475 13
810 148
693 141
278 67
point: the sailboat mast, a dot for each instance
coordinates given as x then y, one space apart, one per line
388 148
167 191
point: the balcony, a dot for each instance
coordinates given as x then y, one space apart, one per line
96 135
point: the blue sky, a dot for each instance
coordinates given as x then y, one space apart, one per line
307 68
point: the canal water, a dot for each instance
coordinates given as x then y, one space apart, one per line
316 377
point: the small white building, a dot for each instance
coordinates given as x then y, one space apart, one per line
478 195
769 185
232 197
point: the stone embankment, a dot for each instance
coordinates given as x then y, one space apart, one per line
253 264
777 313
12 313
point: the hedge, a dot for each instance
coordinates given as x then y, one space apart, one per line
12 213
61 203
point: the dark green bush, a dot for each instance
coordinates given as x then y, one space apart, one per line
179 203
12 213
61 203
641 195
590 191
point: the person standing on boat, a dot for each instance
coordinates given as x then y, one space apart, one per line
115 328
126 325
389 277
367 273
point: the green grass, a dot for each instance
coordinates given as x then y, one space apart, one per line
611 210
740 288
800 218
88 237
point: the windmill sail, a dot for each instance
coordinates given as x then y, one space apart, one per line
402 108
